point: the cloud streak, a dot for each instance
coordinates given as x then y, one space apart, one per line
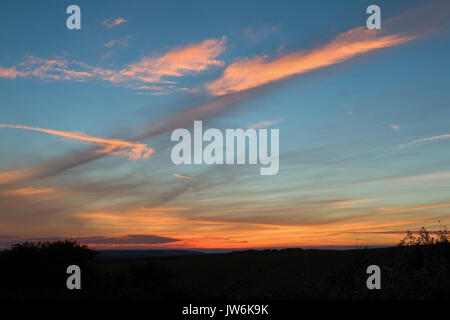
110 23
121 42
434 138
181 176
415 178
13 176
125 240
396 210
10 73
153 128
263 124
133 150
55 69
253 72
176 63
31 192
249 73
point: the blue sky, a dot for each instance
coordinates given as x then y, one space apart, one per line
363 136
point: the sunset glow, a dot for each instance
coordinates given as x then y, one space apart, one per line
86 122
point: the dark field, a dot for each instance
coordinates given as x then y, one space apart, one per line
295 274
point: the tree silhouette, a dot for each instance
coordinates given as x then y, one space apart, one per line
38 269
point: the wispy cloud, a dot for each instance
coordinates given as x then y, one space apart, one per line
133 150
121 42
249 73
256 34
55 69
25 192
178 62
345 204
435 138
175 63
109 23
181 176
413 178
155 127
12 176
253 72
263 124
395 210
127 239
10 73
99 241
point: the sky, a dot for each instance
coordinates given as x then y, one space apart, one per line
86 118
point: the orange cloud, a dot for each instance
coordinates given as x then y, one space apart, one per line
368 226
10 73
192 58
109 23
202 232
30 191
177 62
393 210
345 204
35 193
14 175
56 69
121 42
133 150
263 124
250 73
181 177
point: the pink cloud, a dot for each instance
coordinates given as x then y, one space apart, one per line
181 176
121 42
109 23
133 150
249 73
10 73
178 62
192 58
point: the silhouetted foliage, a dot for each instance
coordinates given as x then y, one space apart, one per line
38 269
418 268
424 238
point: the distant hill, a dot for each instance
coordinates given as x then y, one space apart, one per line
138 254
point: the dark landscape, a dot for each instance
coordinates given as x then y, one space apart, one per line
418 268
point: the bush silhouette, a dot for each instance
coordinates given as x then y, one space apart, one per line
424 238
417 268
38 269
